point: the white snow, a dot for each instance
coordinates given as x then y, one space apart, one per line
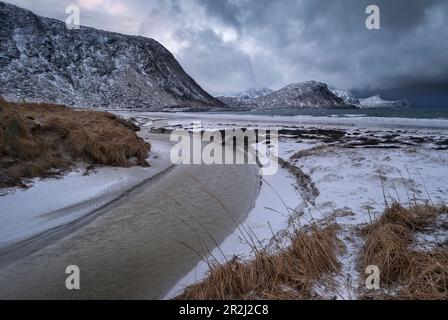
348 97
378 102
252 93
350 183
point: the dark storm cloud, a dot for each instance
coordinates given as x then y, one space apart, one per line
225 10
229 45
208 48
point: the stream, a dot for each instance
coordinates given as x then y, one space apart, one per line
141 245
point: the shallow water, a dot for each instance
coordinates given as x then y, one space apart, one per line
146 242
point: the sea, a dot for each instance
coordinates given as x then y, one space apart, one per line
411 113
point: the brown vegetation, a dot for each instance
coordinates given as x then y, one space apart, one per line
41 140
288 273
406 272
304 185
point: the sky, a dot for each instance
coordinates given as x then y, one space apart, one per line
228 46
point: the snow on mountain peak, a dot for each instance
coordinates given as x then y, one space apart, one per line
347 96
372 102
377 102
252 93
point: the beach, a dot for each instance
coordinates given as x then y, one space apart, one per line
151 232
343 170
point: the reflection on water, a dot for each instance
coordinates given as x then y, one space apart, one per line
143 245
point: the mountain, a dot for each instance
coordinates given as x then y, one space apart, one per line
310 94
348 97
370 103
243 101
378 102
42 61
252 93
238 103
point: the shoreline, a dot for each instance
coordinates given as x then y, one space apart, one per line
240 119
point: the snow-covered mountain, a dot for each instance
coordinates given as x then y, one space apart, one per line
310 94
252 93
243 101
238 104
371 102
348 97
378 102
42 61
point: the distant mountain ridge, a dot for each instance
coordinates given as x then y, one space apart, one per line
42 61
310 94
371 102
243 101
347 96
252 93
378 102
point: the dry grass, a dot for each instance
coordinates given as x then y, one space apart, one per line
407 272
41 140
289 273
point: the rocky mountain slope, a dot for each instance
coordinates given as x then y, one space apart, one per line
348 97
244 100
42 61
310 94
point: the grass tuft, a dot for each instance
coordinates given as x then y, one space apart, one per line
406 272
288 273
42 140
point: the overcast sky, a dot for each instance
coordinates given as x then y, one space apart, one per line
231 45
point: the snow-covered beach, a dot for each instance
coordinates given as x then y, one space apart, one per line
350 167
355 166
223 151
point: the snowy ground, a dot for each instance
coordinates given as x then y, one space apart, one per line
354 184
355 164
51 203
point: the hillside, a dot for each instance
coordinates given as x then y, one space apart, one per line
42 61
